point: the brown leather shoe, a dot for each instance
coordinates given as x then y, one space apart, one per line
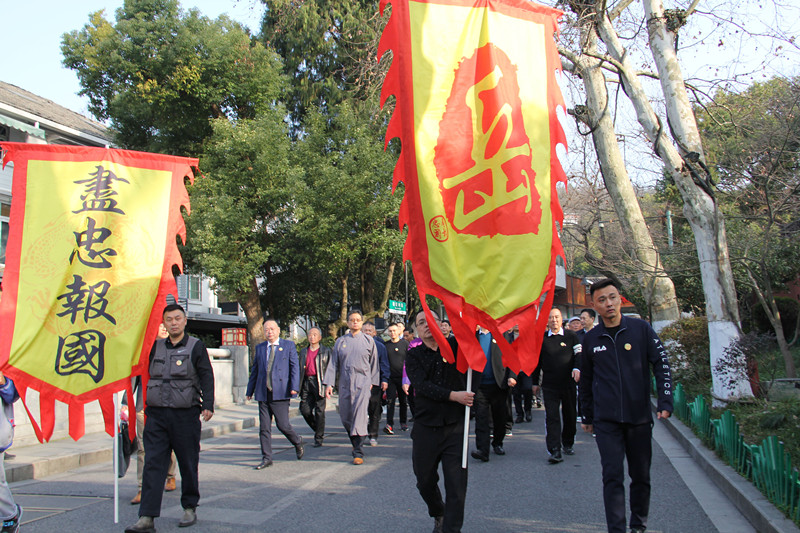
137 499
169 486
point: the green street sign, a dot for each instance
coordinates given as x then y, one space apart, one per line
396 307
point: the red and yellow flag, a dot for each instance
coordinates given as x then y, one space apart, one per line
91 247
476 100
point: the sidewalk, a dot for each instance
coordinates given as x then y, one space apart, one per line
762 514
54 457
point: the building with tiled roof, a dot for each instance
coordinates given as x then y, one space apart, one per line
26 117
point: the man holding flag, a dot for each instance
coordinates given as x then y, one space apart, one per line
438 427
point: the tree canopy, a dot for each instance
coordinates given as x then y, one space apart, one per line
328 49
753 145
161 74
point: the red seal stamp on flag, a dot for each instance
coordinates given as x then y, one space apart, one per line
438 227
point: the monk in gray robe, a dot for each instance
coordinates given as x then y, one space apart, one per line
355 358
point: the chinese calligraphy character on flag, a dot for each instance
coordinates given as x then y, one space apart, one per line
91 247
475 111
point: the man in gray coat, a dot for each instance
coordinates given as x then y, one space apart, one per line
356 359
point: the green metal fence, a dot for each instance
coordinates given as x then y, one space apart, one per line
767 465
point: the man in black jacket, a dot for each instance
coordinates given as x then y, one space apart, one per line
615 402
396 350
313 364
438 430
559 361
180 392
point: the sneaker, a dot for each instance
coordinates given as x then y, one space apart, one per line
519 420
555 457
528 416
388 430
373 442
438 524
538 404
568 450
638 529
404 427
189 518
11 525
358 461
143 525
509 433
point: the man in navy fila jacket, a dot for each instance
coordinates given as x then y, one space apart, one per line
615 383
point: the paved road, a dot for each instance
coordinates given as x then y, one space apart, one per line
519 492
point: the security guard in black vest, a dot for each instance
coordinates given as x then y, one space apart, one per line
180 391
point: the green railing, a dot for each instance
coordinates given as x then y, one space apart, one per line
767 465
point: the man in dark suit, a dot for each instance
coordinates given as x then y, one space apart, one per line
313 364
274 378
491 399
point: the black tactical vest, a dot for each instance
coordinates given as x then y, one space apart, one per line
173 380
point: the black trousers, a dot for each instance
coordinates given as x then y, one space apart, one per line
410 398
395 390
312 407
431 446
491 406
167 430
558 434
375 411
617 442
358 445
279 409
523 394
509 412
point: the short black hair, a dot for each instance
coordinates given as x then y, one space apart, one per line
173 307
355 312
602 284
445 321
591 312
369 323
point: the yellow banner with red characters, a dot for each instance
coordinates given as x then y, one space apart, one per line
476 100
88 266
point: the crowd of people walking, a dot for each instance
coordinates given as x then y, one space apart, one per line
601 371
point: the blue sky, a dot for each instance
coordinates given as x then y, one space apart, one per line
31 40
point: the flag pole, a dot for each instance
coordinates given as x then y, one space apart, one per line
466 423
115 460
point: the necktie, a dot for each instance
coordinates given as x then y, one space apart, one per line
269 366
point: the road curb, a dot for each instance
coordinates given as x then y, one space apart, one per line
60 463
758 510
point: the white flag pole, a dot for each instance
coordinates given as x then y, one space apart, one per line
466 423
115 460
